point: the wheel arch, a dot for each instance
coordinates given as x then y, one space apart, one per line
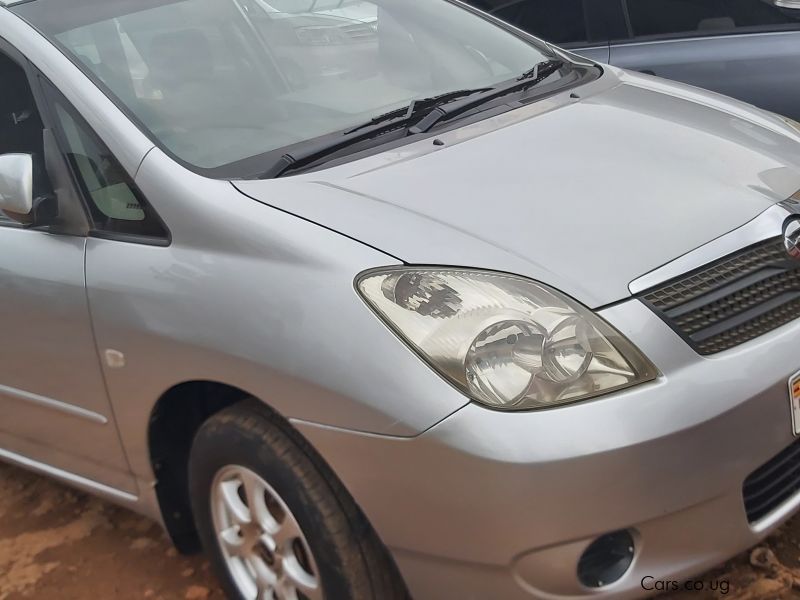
174 421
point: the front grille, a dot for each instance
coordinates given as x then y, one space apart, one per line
772 484
733 300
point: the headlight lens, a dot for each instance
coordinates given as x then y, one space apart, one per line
505 341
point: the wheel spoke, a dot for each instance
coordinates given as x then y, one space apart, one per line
236 509
300 579
232 540
288 531
266 579
241 574
255 491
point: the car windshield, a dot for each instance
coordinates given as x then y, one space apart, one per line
217 83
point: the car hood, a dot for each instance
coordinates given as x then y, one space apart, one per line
584 195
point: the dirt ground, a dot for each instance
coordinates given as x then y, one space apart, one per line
59 544
56 543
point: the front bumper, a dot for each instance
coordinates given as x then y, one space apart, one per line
493 504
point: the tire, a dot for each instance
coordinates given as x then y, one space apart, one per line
239 449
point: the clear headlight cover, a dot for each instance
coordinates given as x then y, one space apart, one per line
505 341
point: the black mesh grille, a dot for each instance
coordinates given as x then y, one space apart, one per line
772 484
733 300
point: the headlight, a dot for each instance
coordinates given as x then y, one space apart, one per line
505 341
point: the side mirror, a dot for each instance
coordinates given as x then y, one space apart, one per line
788 4
16 183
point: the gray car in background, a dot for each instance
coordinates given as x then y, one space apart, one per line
439 310
747 49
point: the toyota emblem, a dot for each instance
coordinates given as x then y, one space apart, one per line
791 238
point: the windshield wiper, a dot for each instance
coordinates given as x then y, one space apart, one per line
407 113
435 110
380 125
528 79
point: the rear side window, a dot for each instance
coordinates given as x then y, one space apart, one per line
558 21
706 17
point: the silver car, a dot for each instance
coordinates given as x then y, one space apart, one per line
477 319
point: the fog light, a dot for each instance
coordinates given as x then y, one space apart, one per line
606 559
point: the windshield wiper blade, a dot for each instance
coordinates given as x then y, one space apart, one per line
377 126
409 112
528 79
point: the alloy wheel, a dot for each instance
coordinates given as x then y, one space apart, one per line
263 546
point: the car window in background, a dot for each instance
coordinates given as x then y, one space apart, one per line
706 17
559 21
221 83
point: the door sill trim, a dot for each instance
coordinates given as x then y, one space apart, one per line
88 485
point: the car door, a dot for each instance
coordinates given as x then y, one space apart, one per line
747 49
55 414
576 25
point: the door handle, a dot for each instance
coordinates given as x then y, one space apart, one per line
647 72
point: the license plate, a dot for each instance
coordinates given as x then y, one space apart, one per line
794 397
